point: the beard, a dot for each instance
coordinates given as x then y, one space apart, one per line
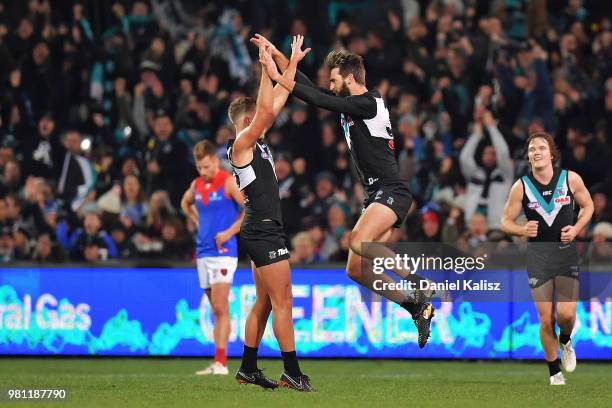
344 91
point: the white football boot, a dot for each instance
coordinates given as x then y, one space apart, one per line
568 357
557 379
215 368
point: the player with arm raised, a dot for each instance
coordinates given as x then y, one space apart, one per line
547 196
213 202
367 128
262 230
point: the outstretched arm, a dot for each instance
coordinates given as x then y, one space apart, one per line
279 58
280 93
263 119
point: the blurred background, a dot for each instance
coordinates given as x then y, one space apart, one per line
101 102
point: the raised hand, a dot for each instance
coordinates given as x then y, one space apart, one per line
297 54
267 62
261 41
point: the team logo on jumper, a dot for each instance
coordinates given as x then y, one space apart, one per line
391 144
561 191
224 272
346 121
390 201
533 206
265 155
564 200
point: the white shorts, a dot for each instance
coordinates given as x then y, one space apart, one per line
216 269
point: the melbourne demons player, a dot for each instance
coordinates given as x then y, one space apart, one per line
548 196
213 202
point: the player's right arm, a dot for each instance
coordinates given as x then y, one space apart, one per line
242 149
187 204
512 211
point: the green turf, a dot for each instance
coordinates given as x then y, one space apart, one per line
365 383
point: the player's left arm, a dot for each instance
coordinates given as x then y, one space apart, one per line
281 93
232 190
583 199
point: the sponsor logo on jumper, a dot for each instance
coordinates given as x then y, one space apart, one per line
564 200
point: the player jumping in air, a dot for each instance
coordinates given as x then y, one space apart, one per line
213 203
262 230
547 196
367 128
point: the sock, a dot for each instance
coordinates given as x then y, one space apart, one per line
249 359
554 367
290 361
221 356
411 307
564 338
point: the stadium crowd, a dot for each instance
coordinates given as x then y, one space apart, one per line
100 108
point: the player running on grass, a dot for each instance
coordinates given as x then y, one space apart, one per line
547 196
213 203
367 128
262 230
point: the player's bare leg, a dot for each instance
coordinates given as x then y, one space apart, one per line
566 290
255 325
218 296
258 316
373 226
546 314
219 299
361 271
277 281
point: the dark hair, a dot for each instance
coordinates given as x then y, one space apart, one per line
552 146
240 106
202 149
348 63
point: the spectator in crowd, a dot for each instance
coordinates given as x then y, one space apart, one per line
600 250
47 250
490 177
134 208
42 149
77 176
91 243
10 180
166 158
303 250
476 233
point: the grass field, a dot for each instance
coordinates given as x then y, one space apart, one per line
373 383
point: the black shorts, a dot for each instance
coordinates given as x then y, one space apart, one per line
264 242
395 195
546 261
